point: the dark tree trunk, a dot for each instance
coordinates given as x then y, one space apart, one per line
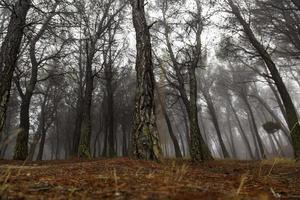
145 136
110 109
57 128
104 152
77 128
38 135
79 107
9 54
125 141
4 136
291 113
199 150
21 148
86 123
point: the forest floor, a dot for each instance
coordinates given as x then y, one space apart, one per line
122 178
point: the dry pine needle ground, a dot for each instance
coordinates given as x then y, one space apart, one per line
130 179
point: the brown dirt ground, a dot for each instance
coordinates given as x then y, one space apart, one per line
123 178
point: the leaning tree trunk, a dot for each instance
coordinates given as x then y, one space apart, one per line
242 131
231 135
255 128
9 53
291 113
168 122
215 122
144 132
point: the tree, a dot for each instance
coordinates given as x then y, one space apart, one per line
144 133
21 148
291 113
192 56
94 33
9 53
204 87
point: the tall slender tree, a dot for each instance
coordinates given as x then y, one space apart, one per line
145 136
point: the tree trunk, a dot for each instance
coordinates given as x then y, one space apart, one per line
4 136
145 136
214 117
43 135
21 148
104 152
232 140
199 150
110 109
57 128
79 106
161 99
243 133
77 128
86 123
291 113
9 53
255 129
125 142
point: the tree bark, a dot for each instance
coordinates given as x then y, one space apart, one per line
145 136
199 150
